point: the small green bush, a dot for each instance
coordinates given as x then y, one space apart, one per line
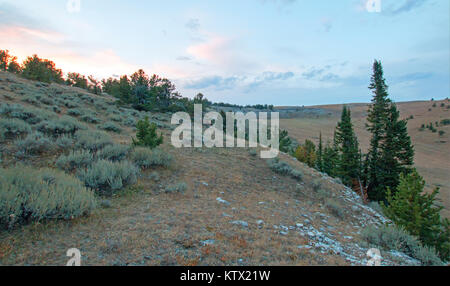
110 126
106 177
13 128
34 144
28 194
92 140
146 158
75 160
146 134
114 152
393 238
176 188
253 152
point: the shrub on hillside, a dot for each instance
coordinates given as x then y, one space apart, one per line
28 194
106 177
13 128
60 126
75 160
393 238
283 168
114 152
34 144
146 158
75 112
90 118
30 115
335 208
110 126
92 140
176 188
146 134
64 142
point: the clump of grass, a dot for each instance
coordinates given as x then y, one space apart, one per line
13 128
283 168
92 140
28 194
146 158
394 238
176 188
316 184
110 126
75 160
114 152
106 177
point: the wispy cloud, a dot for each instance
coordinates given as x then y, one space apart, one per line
406 6
217 82
193 24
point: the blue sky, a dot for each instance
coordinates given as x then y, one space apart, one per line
282 52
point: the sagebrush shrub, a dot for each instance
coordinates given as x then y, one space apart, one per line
176 188
75 112
146 158
283 168
92 140
106 177
114 152
75 160
110 126
13 128
394 238
34 144
335 208
63 125
30 115
64 142
90 118
28 194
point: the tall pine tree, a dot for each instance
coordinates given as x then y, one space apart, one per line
390 151
349 164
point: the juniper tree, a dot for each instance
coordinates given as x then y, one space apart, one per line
417 212
348 165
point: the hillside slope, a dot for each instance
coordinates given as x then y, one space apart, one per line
235 210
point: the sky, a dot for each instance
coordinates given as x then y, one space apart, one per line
281 52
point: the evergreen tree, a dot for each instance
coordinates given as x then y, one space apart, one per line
319 162
331 158
390 151
285 141
416 211
348 165
146 134
43 70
